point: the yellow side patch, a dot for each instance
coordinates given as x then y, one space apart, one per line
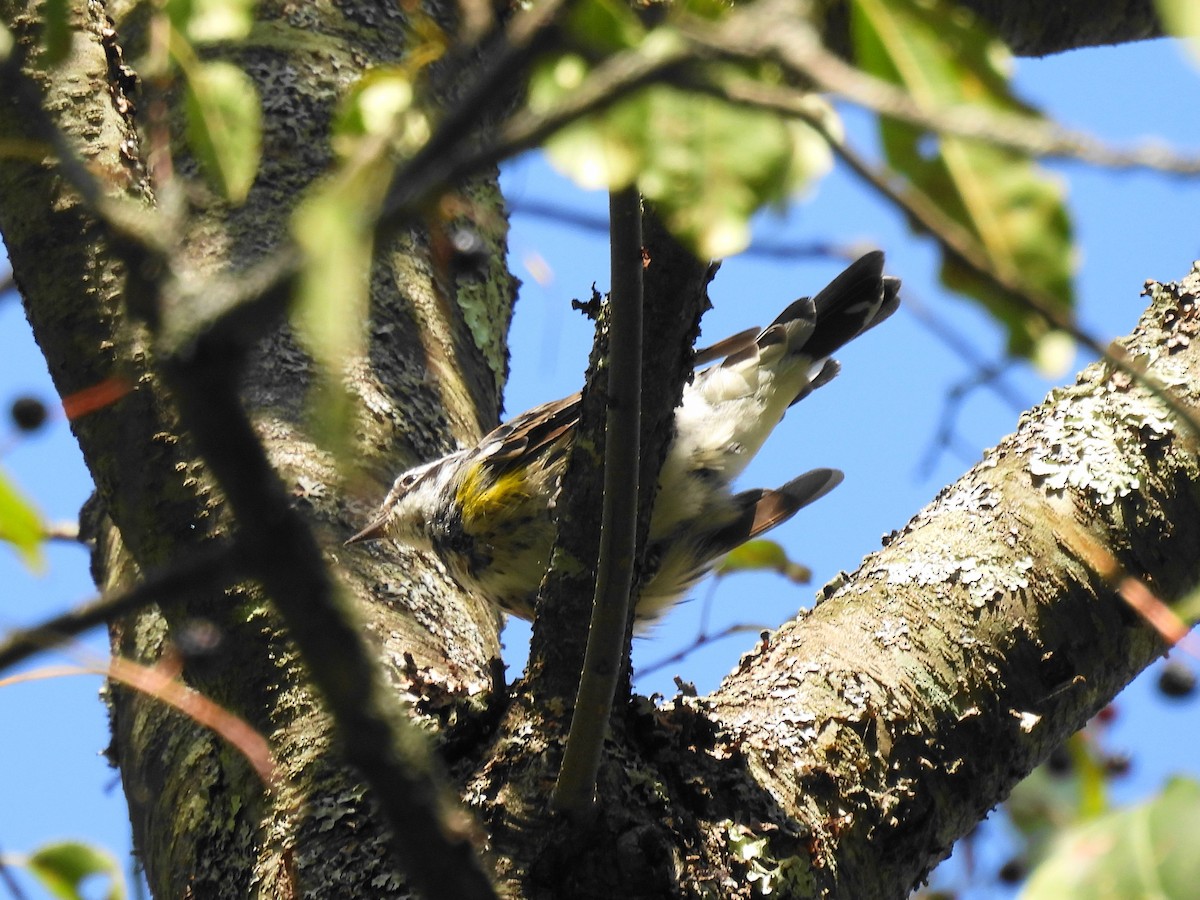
485 499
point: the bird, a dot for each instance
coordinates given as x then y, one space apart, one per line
488 512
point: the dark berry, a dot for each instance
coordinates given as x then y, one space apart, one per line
1059 761
29 413
1118 764
1176 679
1012 871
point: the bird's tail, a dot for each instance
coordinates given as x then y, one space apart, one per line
804 336
856 301
731 407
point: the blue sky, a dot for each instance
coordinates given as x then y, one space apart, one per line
876 421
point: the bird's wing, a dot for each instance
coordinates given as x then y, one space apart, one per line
731 345
536 428
531 431
761 509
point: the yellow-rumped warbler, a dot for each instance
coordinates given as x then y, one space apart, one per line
488 511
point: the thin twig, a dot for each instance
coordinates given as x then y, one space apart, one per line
608 83
10 881
701 640
946 436
774 31
161 681
608 636
543 209
961 245
990 375
961 347
215 566
514 50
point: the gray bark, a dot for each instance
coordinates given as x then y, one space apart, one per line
858 742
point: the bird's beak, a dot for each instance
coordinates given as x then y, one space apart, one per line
372 532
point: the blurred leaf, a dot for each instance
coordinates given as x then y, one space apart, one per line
380 106
208 21
1147 850
335 228
63 867
1187 607
224 118
56 34
1091 776
1059 794
941 55
20 523
707 165
754 556
1182 19
1053 354
705 9
604 25
1067 791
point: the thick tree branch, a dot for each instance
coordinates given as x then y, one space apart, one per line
956 658
1037 28
162 498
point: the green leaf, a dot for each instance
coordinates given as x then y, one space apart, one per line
335 228
1182 19
56 34
224 119
706 164
20 523
63 868
1051 798
380 107
604 25
209 21
763 554
6 43
1014 210
1146 850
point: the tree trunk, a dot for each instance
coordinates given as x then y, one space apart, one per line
843 757
202 823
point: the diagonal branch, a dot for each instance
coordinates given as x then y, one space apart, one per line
960 244
774 31
215 566
923 686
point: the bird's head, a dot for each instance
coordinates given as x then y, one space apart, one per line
411 506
